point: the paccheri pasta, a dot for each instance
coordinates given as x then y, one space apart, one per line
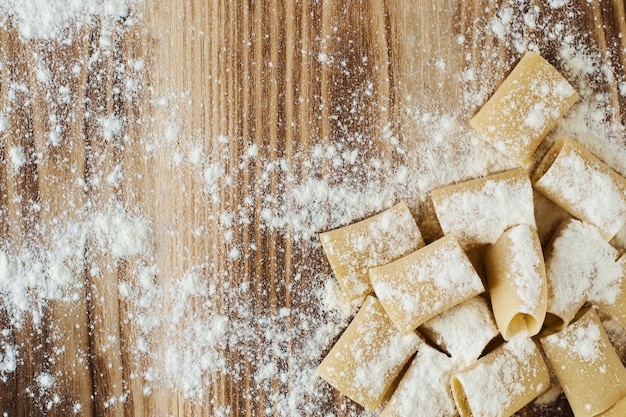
584 186
368 357
424 389
463 331
609 295
429 299
586 365
477 212
353 249
579 263
421 285
517 282
524 108
502 382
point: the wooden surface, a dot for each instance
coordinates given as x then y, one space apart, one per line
251 72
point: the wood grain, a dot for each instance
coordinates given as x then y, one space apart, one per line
282 76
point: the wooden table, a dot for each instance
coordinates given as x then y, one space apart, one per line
221 76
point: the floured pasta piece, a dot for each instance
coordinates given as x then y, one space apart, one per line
418 286
502 382
576 257
586 365
517 282
584 186
608 292
477 212
524 108
618 410
424 390
463 331
351 250
368 356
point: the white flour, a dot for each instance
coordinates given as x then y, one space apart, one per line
342 185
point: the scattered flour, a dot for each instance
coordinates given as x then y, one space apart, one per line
47 19
341 186
463 331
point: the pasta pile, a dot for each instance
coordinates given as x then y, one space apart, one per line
472 323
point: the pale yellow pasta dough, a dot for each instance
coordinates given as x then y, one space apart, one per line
584 186
424 389
368 356
615 304
425 283
353 249
502 382
586 365
463 331
579 265
517 282
524 108
618 410
478 211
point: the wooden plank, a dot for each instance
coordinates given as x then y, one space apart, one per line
22 195
101 268
281 76
59 143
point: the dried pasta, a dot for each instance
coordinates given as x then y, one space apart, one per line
351 250
584 186
477 212
368 356
586 365
424 390
502 382
576 259
517 282
609 292
464 330
421 285
524 108
618 410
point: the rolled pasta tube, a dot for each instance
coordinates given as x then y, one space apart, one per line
424 390
576 257
463 331
609 292
427 282
524 108
368 356
502 382
586 365
478 211
584 186
517 282
351 250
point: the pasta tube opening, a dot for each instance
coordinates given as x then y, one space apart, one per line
522 324
458 393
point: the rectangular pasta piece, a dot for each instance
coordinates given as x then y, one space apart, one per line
421 285
584 186
576 257
517 282
618 410
478 211
586 365
463 331
424 390
368 356
608 292
502 382
351 250
524 108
